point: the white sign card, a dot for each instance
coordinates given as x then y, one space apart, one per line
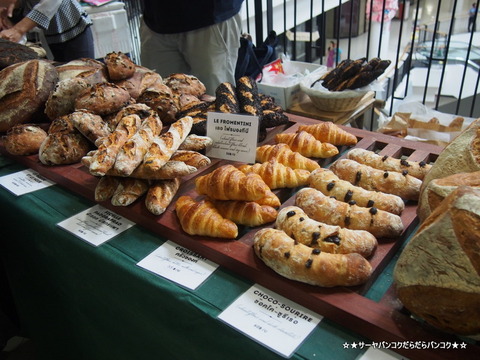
96 225
271 319
234 136
179 265
24 181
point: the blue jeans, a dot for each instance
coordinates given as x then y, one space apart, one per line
80 46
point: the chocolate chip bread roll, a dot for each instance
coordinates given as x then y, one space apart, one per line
331 185
331 211
248 98
329 238
226 99
299 262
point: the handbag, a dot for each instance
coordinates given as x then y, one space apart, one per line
251 59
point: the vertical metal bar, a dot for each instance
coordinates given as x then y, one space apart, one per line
323 42
350 25
258 22
269 17
369 28
294 45
337 27
431 52
381 28
284 26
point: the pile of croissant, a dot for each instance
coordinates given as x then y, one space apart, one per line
353 74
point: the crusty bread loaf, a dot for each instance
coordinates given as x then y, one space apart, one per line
24 139
437 276
162 100
416 169
202 218
331 185
329 238
192 158
461 155
369 178
160 195
90 125
306 144
438 189
24 89
63 149
61 100
13 53
128 191
102 99
119 66
299 262
331 211
106 187
141 80
185 84
196 143
91 70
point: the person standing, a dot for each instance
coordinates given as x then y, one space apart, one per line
334 55
199 38
65 24
472 16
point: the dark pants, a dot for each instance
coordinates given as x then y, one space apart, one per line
80 46
471 24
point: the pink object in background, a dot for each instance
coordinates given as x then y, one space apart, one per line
391 7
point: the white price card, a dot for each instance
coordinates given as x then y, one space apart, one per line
234 136
96 225
179 264
271 319
24 181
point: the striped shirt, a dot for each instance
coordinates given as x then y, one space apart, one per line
61 20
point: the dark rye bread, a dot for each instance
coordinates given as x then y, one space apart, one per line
13 53
24 89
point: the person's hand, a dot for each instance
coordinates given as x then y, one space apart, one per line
11 34
8 6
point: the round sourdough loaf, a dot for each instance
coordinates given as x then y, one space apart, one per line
24 89
437 275
12 53
24 139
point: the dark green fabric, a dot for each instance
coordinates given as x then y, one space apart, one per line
77 301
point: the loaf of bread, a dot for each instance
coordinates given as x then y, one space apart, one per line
299 262
63 149
318 235
24 139
141 80
196 143
416 169
162 100
228 183
437 276
143 111
61 100
331 185
106 187
160 195
248 97
438 189
164 145
90 70
306 144
333 212
277 175
192 158
369 178
185 84
119 66
226 100
284 155
63 125
202 218
128 191
132 152
328 132
248 213
102 99
90 125
24 89
13 53
461 155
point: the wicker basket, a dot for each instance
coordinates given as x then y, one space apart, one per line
335 101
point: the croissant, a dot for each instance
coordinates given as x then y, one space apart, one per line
284 155
248 213
331 185
269 199
306 144
202 218
277 175
299 262
329 238
160 195
229 183
329 132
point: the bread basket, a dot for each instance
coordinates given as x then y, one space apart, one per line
335 101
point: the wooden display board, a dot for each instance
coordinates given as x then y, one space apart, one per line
382 321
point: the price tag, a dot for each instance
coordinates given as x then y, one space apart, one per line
24 181
96 225
179 264
234 136
271 319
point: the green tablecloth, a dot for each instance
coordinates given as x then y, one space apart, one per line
77 301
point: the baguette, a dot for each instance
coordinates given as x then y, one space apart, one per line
229 183
329 238
160 195
331 185
90 125
306 144
166 144
331 211
277 175
128 191
134 149
202 218
369 178
106 187
248 213
191 158
196 143
330 133
416 169
284 155
299 262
